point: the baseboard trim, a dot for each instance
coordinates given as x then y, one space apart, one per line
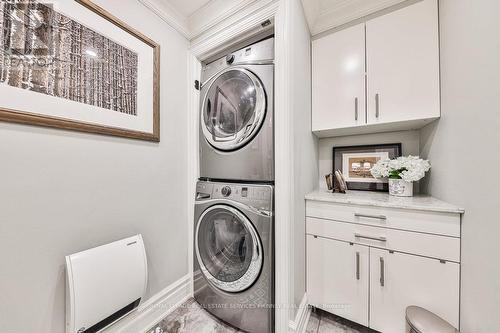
155 308
299 324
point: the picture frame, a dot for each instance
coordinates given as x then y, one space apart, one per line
355 163
111 86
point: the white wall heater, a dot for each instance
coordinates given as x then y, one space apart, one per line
104 284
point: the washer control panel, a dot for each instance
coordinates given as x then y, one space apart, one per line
226 191
257 196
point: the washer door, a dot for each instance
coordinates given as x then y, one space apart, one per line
228 248
233 109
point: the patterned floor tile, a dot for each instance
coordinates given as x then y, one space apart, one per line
329 323
190 317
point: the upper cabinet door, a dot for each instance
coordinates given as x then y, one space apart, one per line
402 50
338 277
338 80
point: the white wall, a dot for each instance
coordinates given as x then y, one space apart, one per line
62 192
410 141
463 149
305 151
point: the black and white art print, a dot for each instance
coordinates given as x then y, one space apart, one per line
355 163
73 65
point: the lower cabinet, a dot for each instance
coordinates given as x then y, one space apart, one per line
373 286
338 277
398 280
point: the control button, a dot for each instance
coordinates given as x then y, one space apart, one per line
244 192
226 191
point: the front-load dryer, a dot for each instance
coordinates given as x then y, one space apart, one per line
234 255
237 115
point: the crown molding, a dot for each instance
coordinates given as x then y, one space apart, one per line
205 19
168 14
213 13
246 19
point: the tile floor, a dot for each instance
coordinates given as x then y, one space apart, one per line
324 322
190 317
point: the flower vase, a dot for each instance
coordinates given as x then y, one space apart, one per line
400 188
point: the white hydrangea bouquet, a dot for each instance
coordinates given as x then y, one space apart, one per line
402 172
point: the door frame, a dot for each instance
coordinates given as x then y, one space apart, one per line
247 23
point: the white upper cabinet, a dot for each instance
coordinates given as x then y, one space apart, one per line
397 55
338 79
402 53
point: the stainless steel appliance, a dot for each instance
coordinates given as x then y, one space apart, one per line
233 254
236 115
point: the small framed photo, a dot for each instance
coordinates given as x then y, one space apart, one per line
355 162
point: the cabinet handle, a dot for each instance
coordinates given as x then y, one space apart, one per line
356 109
378 217
380 239
382 272
357 265
377 105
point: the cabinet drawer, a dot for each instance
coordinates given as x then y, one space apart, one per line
447 224
434 246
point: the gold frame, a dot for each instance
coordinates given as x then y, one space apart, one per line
23 117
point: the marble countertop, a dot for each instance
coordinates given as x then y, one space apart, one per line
383 199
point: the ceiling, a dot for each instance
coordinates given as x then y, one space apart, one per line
323 15
191 17
186 7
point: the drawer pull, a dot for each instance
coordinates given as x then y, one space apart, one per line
378 217
357 265
380 239
382 272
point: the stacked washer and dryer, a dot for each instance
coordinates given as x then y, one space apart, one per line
234 207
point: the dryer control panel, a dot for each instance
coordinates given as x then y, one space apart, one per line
261 52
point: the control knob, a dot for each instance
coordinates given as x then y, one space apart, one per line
226 191
230 59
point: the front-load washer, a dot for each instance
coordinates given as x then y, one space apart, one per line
237 115
234 255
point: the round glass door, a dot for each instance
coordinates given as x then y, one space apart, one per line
228 248
233 109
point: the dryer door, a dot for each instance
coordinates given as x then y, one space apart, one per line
233 109
228 248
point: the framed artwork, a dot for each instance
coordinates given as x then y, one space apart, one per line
70 64
355 162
